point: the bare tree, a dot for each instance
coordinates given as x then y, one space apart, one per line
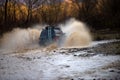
85 8
6 6
49 11
30 5
14 11
109 11
1 13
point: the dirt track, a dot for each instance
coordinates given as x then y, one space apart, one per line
100 61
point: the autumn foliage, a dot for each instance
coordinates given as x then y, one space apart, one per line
96 13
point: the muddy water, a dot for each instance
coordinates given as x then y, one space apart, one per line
20 39
76 34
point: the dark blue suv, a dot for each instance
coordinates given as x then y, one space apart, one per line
49 35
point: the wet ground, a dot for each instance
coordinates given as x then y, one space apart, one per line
100 61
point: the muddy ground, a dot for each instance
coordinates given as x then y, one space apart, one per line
100 61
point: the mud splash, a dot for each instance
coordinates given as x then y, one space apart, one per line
76 34
20 39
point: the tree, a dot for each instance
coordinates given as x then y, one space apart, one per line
6 6
110 12
85 8
30 5
49 11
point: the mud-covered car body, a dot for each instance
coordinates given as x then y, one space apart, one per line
50 35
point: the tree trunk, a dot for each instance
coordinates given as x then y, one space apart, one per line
6 3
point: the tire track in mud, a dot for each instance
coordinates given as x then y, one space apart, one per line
108 48
64 60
